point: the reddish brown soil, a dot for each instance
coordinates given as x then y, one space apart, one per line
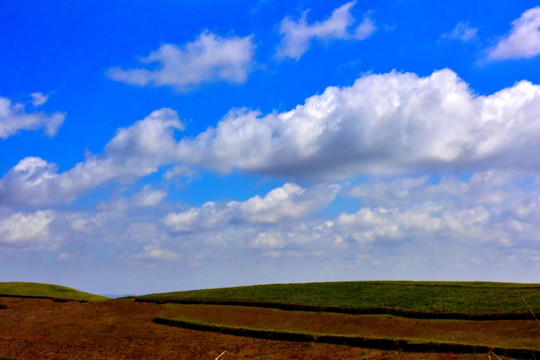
119 329
502 333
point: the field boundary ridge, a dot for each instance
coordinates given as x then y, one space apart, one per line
349 310
356 341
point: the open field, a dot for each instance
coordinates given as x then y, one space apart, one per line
440 298
30 289
37 327
123 329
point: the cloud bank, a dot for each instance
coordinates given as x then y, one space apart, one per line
134 152
384 124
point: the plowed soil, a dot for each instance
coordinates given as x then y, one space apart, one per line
123 329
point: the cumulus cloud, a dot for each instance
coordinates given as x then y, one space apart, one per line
491 206
208 58
383 124
133 152
523 41
289 201
297 35
26 230
462 31
15 117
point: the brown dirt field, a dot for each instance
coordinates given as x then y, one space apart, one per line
502 333
123 329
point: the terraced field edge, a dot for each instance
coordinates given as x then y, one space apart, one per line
375 343
56 299
351 310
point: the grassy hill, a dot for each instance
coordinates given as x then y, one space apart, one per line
45 290
469 298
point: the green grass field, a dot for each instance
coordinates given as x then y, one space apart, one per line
46 290
472 298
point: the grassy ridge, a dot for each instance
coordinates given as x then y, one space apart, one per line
45 290
475 298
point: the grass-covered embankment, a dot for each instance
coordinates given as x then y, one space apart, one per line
408 345
47 291
465 300
505 334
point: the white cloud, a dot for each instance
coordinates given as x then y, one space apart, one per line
155 252
208 216
288 201
146 198
368 225
208 58
149 197
383 124
20 230
486 188
268 241
64 257
366 28
462 31
38 98
297 35
281 204
14 117
133 152
523 41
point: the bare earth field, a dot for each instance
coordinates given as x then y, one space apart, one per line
500 333
123 329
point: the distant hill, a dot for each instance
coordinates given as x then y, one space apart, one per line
31 289
457 299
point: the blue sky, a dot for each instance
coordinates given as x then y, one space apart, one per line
179 145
